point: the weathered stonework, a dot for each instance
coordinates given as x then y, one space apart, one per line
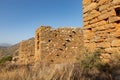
26 51
58 45
101 24
101 30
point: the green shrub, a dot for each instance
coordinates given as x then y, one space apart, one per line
94 69
91 60
5 59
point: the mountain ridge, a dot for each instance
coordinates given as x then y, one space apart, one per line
5 45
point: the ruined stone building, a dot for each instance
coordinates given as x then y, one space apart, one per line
101 30
57 45
102 25
26 52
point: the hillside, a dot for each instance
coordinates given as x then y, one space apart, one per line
5 45
2 51
12 50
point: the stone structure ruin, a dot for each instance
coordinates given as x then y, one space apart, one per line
26 51
57 45
101 30
102 25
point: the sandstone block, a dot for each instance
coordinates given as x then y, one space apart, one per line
114 19
94 20
86 2
90 7
86 23
86 27
116 2
107 15
88 34
102 25
103 45
91 15
103 8
96 25
90 46
86 41
112 50
98 39
106 56
100 28
115 43
101 2
105 27
116 33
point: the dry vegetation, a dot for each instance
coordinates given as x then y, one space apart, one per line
9 51
14 73
89 67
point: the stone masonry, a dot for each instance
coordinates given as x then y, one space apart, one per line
57 45
26 51
102 25
101 30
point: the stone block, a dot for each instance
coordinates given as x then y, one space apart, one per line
101 2
101 23
98 39
94 20
86 2
105 60
116 2
86 41
86 23
86 27
106 56
104 27
116 33
107 15
88 34
114 19
103 45
91 15
90 46
85 15
105 7
115 43
112 50
90 7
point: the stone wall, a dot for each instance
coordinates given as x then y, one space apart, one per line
102 25
26 51
58 45
101 30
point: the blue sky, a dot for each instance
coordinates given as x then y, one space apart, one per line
20 18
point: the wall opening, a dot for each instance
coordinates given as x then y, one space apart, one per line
38 41
117 10
117 21
90 29
38 45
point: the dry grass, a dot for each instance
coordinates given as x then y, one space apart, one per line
14 73
87 68
37 72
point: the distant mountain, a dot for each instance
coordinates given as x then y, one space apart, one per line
5 45
8 49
